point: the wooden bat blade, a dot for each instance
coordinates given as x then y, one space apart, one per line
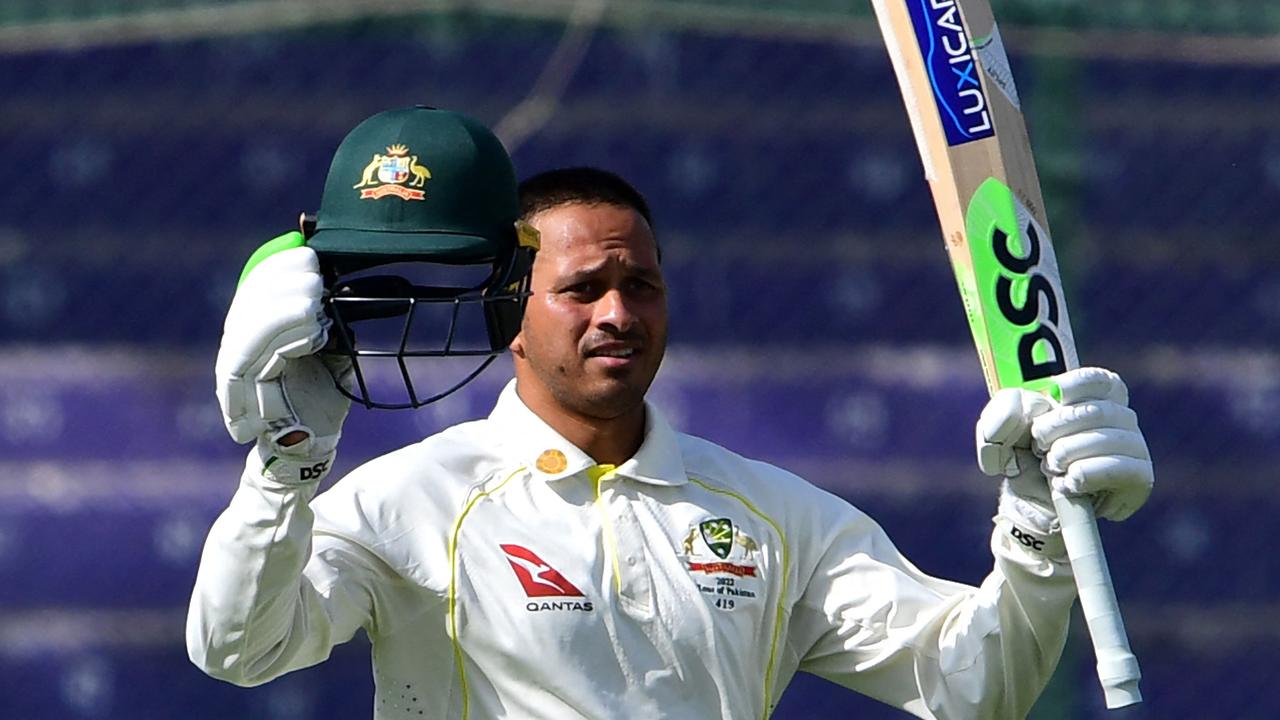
967 120
978 162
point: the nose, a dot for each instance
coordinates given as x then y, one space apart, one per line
614 311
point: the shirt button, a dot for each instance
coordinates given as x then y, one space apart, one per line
631 561
552 462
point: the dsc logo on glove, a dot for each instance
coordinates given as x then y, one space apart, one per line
315 471
1027 539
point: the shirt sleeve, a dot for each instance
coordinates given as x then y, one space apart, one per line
270 596
870 621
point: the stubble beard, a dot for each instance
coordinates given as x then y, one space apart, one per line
592 394
595 395
600 398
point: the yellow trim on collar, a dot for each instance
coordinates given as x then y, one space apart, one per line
598 474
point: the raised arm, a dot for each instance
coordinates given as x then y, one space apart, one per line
255 613
871 621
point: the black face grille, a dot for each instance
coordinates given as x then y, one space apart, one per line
391 299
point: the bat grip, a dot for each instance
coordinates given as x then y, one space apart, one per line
1117 665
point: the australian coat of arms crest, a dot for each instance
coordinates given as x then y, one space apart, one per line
396 172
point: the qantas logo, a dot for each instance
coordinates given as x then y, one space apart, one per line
538 578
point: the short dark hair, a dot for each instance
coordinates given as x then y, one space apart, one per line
585 185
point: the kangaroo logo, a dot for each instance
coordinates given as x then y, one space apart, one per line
389 174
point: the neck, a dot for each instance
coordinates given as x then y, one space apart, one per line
608 441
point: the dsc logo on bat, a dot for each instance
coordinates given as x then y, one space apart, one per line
1014 293
1036 288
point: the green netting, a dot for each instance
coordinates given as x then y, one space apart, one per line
1234 17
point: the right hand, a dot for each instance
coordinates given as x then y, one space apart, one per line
271 385
1089 444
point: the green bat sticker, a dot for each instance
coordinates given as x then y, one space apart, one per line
1014 297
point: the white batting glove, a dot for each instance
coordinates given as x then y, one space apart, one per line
1089 444
1005 445
271 386
1092 446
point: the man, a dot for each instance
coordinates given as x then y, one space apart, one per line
572 556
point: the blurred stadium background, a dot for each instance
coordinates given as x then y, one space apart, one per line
149 145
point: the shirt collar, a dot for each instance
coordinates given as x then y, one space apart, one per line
532 442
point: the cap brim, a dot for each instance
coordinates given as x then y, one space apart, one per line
439 247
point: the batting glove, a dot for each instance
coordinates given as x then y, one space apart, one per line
271 386
1087 444
1092 446
1005 449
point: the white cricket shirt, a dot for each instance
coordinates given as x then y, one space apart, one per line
500 573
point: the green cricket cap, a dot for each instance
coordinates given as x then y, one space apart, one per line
419 182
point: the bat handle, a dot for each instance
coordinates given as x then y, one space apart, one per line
1117 665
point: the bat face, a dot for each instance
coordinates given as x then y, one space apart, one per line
968 124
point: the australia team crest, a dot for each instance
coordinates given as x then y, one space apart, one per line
396 172
723 561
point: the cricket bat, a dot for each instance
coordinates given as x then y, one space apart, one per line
967 120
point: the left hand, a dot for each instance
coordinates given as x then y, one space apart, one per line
1091 445
272 386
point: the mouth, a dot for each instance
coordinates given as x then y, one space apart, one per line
614 354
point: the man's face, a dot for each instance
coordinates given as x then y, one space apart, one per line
595 327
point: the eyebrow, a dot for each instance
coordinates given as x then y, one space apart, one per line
642 271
